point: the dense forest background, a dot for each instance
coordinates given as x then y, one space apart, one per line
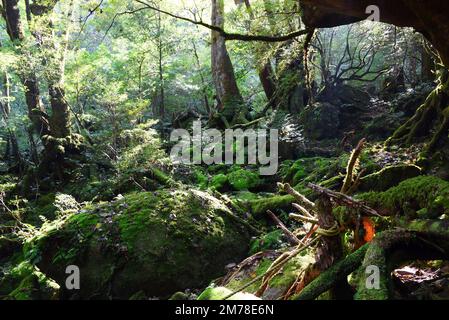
92 89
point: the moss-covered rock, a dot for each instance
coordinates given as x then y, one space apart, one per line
155 242
388 177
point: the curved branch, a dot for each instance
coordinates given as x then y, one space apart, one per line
230 36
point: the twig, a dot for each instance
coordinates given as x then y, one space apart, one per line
302 210
276 264
303 218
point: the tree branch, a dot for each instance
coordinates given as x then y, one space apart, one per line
230 36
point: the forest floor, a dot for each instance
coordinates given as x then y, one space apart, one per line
149 229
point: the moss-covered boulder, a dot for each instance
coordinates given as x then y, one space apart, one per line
242 179
389 177
155 242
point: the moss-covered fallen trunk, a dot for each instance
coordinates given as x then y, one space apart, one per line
155 242
420 197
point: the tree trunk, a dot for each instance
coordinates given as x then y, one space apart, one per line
331 249
266 73
60 116
36 111
230 101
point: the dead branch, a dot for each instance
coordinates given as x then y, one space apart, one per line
355 155
309 205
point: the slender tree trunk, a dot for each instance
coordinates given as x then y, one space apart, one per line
12 153
161 68
427 65
36 111
203 81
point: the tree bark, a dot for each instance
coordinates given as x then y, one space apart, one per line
230 101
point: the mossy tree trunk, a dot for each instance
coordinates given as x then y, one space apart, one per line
420 241
36 111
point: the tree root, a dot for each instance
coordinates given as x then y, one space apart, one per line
432 114
330 277
419 240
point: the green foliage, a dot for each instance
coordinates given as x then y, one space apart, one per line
143 148
25 282
201 179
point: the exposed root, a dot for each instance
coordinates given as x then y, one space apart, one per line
390 248
351 177
431 115
330 277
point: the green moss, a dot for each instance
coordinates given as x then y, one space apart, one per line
411 196
377 255
144 241
220 293
179 296
242 179
218 182
201 179
260 207
269 241
25 282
